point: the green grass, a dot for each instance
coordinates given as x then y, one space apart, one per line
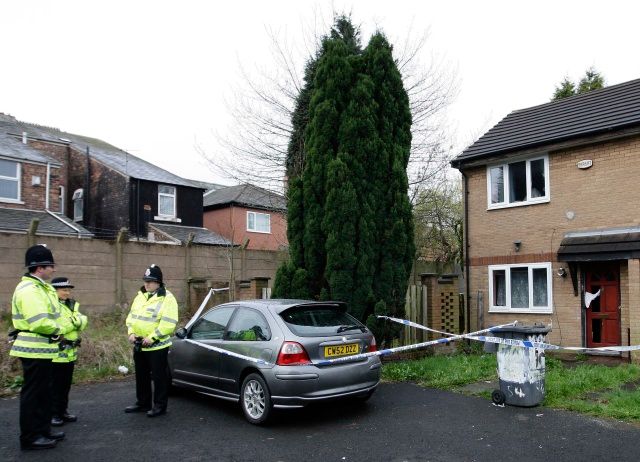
590 389
443 372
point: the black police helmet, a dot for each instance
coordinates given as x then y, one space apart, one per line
153 273
38 255
61 283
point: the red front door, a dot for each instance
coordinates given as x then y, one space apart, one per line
603 314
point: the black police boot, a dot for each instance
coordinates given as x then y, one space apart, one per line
55 436
57 421
136 408
69 417
39 443
156 411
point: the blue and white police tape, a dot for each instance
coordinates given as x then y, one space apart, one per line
325 362
512 342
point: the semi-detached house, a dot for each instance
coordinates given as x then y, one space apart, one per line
552 219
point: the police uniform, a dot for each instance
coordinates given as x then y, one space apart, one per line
35 315
153 316
64 362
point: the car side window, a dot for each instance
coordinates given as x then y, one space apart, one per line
248 326
211 326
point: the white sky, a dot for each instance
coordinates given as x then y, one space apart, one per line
152 77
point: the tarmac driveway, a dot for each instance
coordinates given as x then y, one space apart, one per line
401 422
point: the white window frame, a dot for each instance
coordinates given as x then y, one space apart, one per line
173 196
61 200
78 198
531 309
255 221
17 179
505 169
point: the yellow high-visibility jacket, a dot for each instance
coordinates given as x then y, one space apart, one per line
154 316
35 312
70 317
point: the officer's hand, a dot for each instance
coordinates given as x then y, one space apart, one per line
132 339
146 341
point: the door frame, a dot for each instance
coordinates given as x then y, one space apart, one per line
587 315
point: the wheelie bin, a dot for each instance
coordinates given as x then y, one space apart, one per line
521 370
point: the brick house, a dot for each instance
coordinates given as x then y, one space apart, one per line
552 219
31 187
247 215
104 188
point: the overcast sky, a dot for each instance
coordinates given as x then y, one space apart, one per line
152 77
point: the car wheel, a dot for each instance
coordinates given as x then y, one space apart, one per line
255 399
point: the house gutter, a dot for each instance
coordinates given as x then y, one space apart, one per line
46 199
77 230
467 260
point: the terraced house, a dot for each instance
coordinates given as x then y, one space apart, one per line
552 219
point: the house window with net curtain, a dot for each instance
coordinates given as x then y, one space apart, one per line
520 288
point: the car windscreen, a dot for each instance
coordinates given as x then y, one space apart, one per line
320 320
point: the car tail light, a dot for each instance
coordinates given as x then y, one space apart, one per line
373 346
292 354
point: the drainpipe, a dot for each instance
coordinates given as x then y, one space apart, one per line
467 261
46 199
87 190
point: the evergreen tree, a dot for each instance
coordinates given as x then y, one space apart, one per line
592 80
350 220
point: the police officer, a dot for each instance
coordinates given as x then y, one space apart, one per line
63 364
35 314
151 321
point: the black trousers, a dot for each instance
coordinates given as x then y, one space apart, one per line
61 376
152 366
35 399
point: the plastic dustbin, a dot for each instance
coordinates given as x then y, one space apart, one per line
521 370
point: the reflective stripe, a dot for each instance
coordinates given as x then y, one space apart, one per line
171 320
24 338
143 318
163 343
157 308
34 350
17 316
39 316
159 334
26 284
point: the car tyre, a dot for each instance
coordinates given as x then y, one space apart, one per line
255 399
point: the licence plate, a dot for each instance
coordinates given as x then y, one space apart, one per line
341 350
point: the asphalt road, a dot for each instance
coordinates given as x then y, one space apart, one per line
401 422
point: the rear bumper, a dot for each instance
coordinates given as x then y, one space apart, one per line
296 386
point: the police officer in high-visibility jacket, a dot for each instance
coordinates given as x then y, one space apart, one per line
151 322
63 364
35 315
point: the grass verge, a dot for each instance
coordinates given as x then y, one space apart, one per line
598 390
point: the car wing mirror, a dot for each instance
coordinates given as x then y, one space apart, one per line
181 333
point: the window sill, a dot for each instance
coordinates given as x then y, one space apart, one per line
259 232
521 311
518 204
171 219
6 200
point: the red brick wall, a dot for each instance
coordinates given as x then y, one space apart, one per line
34 197
231 222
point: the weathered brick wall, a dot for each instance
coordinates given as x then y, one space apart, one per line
34 197
92 264
603 196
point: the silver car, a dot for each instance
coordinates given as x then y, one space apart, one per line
289 342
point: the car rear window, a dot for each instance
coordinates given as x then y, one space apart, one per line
319 320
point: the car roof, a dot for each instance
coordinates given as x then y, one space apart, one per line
280 305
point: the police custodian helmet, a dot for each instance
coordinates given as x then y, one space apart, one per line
61 283
153 273
38 255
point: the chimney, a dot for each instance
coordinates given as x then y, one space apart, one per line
24 137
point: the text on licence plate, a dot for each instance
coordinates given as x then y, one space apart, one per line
341 350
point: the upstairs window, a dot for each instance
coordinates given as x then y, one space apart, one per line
166 201
258 222
78 204
520 288
517 183
9 180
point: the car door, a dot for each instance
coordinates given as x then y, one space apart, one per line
194 364
248 334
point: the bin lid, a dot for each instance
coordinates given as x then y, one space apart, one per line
523 329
